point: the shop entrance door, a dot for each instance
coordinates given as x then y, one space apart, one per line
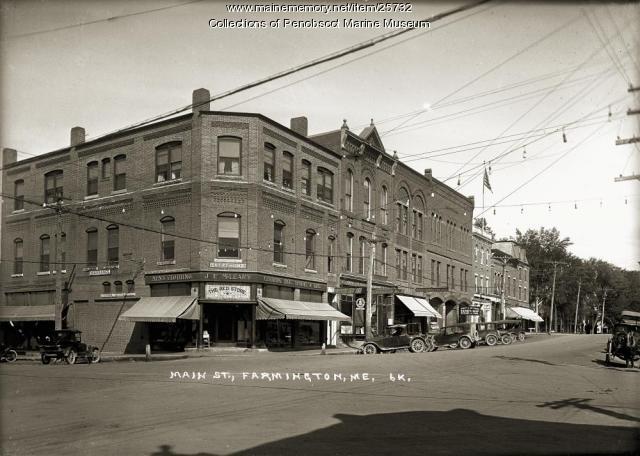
226 323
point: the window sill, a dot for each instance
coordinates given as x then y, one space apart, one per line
311 271
280 265
116 295
43 273
228 260
230 176
327 204
17 211
268 182
90 197
166 262
287 189
17 275
119 192
168 182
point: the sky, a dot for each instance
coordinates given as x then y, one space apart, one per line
490 88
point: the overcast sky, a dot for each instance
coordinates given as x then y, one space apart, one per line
508 74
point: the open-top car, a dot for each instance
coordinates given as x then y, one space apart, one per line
625 340
514 327
488 333
462 335
67 345
396 337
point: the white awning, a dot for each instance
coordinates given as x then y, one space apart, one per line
283 309
523 312
418 306
163 309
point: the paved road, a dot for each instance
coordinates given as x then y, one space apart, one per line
549 395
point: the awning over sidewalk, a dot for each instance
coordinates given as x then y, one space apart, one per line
163 309
523 312
283 309
419 306
27 313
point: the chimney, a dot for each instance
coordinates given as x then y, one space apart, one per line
200 100
77 136
9 156
300 125
427 173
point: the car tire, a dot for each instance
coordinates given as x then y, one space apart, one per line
71 356
491 340
45 359
417 346
607 359
465 343
369 349
11 356
521 337
506 339
95 356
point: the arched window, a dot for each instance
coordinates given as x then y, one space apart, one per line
131 287
383 259
348 191
278 241
120 172
384 201
106 168
229 156
366 199
269 162
169 161
92 178
18 256
18 195
349 256
113 244
402 211
287 170
417 224
45 253
118 287
305 178
310 249
92 247
228 235
324 185
362 256
330 254
106 288
53 188
167 241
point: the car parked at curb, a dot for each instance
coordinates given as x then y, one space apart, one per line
461 335
515 328
66 345
396 337
488 333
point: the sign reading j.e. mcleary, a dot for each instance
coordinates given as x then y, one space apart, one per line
229 292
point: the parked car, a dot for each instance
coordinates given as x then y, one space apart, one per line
462 335
624 344
514 327
67 345
488 333
396 337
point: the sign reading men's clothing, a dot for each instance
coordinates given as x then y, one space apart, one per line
230 292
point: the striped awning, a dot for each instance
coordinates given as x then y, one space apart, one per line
420 307
523 312
283 309
165 309
27 313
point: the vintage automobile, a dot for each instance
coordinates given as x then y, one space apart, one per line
488 333
67 345
514 327
461 335
625 340
396 337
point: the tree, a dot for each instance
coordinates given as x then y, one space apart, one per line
481 223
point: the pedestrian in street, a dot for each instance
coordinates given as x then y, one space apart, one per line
630 349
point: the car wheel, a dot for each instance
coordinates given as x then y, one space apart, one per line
71 356
45 359
11 356
506 339
521 337
491 339
95 356
465 343
369 349
607 359
417 346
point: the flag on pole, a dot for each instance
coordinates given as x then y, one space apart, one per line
486 180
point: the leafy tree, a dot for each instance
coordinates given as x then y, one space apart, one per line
481 223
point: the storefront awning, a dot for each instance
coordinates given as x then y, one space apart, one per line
27 313
419 306
163 309
283 309
523 312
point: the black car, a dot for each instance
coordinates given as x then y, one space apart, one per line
462 335
395 337
515 328
488 333
66 344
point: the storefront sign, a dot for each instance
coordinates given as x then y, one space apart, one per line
225 265
229 292
469 310
346 329
360 303
180 277
231 276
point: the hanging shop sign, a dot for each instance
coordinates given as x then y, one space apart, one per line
229 292
360 303
470 310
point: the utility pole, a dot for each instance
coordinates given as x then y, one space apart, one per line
58 266
553 295
604 300
575 323
369 303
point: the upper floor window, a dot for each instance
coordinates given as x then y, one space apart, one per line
63 252
45 253
417 226
106 168
18 255
305 178
18 195
405 256
92 247
269 162
118 286
131 286
383 269
402 214
167 241
310 249
106 287
324 185
92 178
330 254
113 244
419 278
228 235
348 191
120 172
366 199
362 256
384 197
287 170
229 155
349 256
414 259
169 161
278 241
53 186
